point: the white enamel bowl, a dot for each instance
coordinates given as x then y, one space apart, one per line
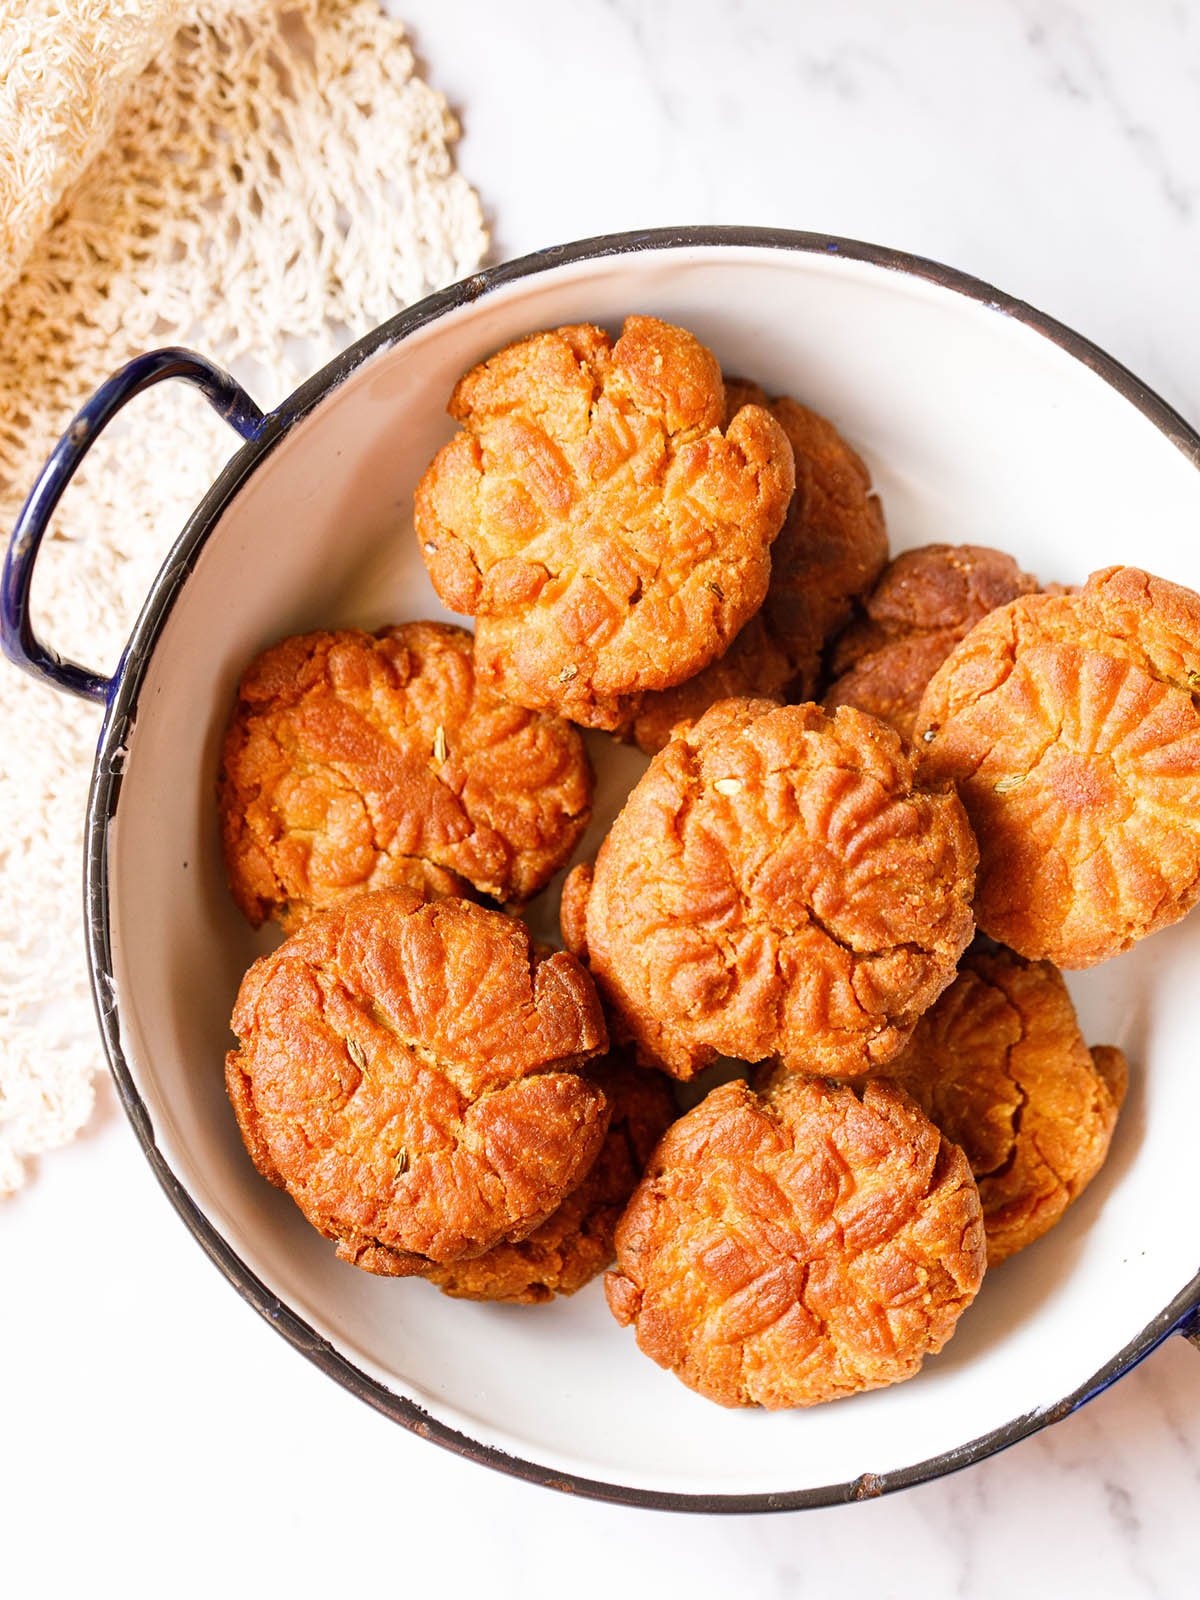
980 421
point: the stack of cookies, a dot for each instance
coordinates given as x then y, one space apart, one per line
886 805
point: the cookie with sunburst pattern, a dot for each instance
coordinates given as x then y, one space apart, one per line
1070 725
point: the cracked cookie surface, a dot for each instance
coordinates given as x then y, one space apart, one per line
1070 726
776 885
1000 1066
596 518
798 1245
366 761
575 1243
925 601
831 548
410 1073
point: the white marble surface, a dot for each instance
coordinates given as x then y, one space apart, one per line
153 1429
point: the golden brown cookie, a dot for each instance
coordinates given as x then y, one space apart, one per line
356 761
1071 727
999 1064
925 602
838 546
410 1073
575 1243
831 549
595 517
798 1245
776 885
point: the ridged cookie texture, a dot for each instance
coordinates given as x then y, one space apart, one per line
575 1243
798 1244
1070 725
1000 1065
831 548
925 601
597 518
410 1073
777 885
357 761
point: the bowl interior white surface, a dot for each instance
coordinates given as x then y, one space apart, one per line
975 428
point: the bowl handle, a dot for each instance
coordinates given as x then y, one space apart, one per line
17 638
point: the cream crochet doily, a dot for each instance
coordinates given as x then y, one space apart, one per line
264 181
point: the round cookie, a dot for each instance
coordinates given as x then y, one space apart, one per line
410 1073
1070 725
776 885
999 1064
355 761
831 548
595 517
798 1245
575 1243
925 602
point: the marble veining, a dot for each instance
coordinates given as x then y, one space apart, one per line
1079 69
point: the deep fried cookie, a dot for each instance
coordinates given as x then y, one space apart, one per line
838 547
775 886
356 761
831 548
575 1243
925 602
798 1245
1070 725
594 517
410 1073
1000 1065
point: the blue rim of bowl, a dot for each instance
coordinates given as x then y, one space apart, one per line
104 796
